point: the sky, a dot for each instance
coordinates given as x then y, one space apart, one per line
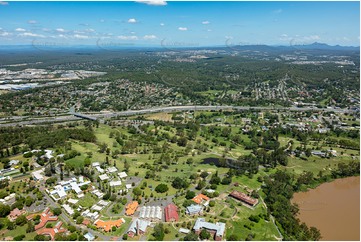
178 24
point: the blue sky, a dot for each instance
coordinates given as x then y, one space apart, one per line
177 24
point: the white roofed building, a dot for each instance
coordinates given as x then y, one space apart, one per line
112 169
73 201
104 177
68 209
99 169
115 183
152 213
75 187
37 175
122 175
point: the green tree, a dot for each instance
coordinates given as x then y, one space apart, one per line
204 174
4 210
191 237
158 232
212 203
41 237
30 228
137 191
204 234
56 211
79 219
21 220
190 194
179 183
161 188
19 237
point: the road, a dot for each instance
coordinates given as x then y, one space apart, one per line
13 121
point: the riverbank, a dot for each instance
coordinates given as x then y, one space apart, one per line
333 208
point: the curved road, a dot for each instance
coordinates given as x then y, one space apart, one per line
13 121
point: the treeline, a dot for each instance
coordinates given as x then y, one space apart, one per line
279 190
39 137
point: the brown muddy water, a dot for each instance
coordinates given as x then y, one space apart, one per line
333 208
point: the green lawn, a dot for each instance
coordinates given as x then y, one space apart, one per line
315 164
87 201
19 230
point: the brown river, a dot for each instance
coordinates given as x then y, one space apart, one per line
333 208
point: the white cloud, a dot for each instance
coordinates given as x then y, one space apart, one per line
206 22
4 3
149 37
29 34
102 20
20 30
153 2
61 30
162 24
278 11
127 37
209 30
32 22
312 37
132 20
79 36
285 37
182 28
4 33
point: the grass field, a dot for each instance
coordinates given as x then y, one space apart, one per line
87 201
315 164
19 230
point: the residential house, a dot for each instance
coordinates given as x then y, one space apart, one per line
15 213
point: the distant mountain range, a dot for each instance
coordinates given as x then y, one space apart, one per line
322 46
267 48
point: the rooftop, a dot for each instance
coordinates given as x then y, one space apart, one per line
243 197
131 207
200 198
218 227
104 177
108 225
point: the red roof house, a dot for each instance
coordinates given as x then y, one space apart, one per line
244 198
15 213
171 213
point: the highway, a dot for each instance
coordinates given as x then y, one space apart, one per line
70 117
